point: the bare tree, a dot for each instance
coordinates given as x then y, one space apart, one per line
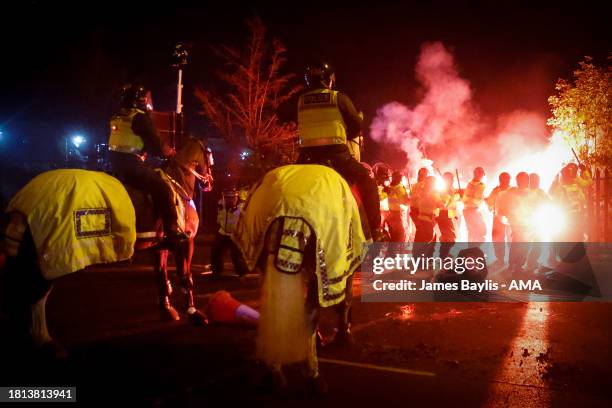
253 88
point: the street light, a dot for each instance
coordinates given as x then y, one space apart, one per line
78 140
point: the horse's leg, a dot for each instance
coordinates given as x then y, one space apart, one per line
183 257
344 336
38 328
315 383
164 285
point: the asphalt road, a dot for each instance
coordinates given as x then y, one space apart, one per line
425 354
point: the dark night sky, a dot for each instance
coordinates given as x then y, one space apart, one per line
63 64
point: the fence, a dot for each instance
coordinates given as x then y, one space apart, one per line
600 207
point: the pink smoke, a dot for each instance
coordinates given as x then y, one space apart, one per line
446 127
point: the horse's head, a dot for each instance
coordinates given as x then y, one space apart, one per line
196 157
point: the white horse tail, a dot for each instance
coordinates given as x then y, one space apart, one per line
284 334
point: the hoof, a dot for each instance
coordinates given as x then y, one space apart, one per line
343 339
316 387
198 318
170 313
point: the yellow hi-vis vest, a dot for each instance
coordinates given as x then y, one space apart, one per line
397 197
450 199
573 197
320 121
122 137
354 147
474 194
228 218
429 206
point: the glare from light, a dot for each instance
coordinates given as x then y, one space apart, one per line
244 154
549 220
440 184
78 140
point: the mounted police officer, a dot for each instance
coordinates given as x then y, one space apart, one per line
132 137
327 120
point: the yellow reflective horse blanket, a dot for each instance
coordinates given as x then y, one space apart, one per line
77 218
320 197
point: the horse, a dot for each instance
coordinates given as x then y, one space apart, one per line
300 227
64 221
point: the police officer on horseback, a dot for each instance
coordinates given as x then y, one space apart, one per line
132 136
327 120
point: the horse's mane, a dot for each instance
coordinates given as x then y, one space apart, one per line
192 150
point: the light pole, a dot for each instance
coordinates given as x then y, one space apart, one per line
179 60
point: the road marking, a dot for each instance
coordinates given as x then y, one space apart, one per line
377 367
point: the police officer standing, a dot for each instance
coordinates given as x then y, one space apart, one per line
396 196
228 213
473 196
500 228
327 119
447 220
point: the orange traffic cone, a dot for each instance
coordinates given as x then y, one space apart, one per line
223 308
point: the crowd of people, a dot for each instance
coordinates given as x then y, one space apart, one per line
516 214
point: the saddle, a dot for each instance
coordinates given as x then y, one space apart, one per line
149 228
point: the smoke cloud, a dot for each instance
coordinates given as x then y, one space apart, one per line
446 127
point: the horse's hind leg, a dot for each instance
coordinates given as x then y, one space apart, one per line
316 384
39 331
165 287
344 337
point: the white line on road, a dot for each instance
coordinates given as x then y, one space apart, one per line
377 367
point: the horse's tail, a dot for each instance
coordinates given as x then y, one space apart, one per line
284 334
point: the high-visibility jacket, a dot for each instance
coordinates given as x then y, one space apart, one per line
571 196
122 137
450 199
397 196
585 179
227 218
517 206
354 146
415 193
320 121
492 198
474 194
430 204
